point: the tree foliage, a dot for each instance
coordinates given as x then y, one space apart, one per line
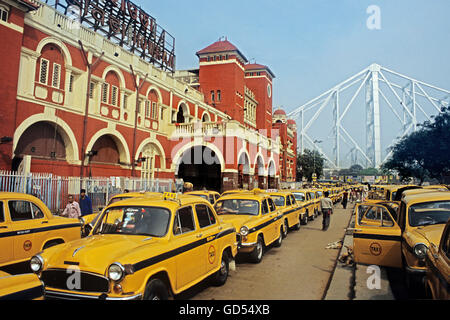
308 163
424 153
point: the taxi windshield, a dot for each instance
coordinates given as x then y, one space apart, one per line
279 200
134 220
299 196
429 213
238 207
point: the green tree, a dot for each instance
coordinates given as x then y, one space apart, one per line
308 163
424 153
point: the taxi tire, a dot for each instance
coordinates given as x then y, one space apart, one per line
285 228
257 254
221 276
156 290
279 241
298 225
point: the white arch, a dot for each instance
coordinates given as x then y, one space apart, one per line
70 142
246 164
271 168
158 145
117 71
263 165
118 138
207 114
158 93
176 159
60 44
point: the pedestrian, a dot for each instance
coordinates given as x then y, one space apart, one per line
345 199
85 203
188 187
326 206
72 209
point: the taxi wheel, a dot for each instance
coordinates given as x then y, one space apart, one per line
279 241
257 254
285 228
221 275
298 225
156 290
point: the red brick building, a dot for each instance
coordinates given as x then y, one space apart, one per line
211 126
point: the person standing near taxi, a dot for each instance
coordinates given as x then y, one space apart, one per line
326 205
72 209
85 204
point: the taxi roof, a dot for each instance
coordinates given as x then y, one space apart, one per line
17 195
245 196
181 200
427 197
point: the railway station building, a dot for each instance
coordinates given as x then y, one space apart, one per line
91 89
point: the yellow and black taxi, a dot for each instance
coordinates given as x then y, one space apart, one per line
27 227
211 196
142 248
437 279
292 212
303 199
392 235
20 287
258 221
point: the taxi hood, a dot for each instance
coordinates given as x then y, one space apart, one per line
96 253
432 233
237 220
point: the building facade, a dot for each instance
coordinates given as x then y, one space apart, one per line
80 104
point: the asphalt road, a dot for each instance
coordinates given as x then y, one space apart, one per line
299 270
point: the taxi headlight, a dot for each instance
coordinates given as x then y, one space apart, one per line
36 264
244 231
420 250
116 272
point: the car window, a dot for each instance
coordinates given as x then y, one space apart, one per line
271 205
299 196
265 207
204 216
237 206
211 198
20 210
379 215
288 201
279 200
2 215
184 221
37 212
430 213
292 199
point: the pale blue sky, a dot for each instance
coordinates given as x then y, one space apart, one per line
313 45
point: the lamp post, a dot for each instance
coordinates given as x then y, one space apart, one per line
138 87
90 67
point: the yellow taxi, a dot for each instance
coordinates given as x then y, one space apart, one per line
142 248
233 192
211 196
303 198
437 279
258 221
27 227
400 236
20 287
292 212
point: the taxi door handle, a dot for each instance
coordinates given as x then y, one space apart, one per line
199 235
44 222
3 227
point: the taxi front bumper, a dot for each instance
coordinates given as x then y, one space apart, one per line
59 295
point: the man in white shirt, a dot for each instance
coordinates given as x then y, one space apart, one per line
326 206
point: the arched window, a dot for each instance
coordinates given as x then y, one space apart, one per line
4 13
152 105
111 90
51 67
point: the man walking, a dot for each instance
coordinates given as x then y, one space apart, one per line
326 205
85 203
72 209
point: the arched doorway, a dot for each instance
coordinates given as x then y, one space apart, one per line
272 183
259 173
201 166
41 140
105 151
244 171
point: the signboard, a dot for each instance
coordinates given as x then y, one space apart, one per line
125 24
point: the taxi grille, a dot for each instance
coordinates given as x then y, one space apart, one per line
66 280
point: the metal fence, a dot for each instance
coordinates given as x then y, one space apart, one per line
54 190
